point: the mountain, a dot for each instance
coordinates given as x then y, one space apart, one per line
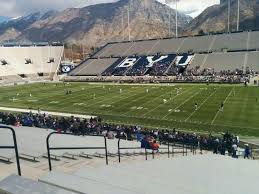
4 19
13 28
95 25
214 18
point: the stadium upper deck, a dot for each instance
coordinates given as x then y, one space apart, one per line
28 62
195 44
234 52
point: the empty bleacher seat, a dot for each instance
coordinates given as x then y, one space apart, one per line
253 61
196 44
93 66
234 41
30 60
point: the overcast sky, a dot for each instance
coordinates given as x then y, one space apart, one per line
14 8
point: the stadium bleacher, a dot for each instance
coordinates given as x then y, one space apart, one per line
196 44
161 67
230 42
94 66
29 62
186 175
218 52
253 41
226 61
252 61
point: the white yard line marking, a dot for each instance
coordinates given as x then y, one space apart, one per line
120 98
144 96
215 117
68 98
199 106
163 104
150 101
182 104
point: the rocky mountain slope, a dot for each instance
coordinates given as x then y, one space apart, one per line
97 24
4 19
214 19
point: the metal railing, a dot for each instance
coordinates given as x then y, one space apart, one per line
73 148
15 147
183 146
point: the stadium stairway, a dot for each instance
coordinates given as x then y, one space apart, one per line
182 175
18 185
196 174
200 174
34 162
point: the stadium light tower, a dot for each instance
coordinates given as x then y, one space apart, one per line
122 26
228 16
169 22
176 18
238 14
129 18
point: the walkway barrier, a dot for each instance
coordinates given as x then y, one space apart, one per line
15 147
180 145
73 148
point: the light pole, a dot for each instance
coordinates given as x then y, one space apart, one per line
238 14
228 16
122 26
129 19
176 19
170 15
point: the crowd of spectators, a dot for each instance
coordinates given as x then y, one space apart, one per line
230 76
95 126
139 69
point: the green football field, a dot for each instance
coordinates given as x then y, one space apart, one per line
156 106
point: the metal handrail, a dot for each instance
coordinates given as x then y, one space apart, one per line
15 147
182 145
140 148
73 148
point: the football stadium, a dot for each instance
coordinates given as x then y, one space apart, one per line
177 114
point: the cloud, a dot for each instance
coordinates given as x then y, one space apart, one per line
14 8
192 7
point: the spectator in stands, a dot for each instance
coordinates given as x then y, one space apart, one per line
216 146
94 126
247 153
155 145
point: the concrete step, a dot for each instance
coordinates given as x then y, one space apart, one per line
19 185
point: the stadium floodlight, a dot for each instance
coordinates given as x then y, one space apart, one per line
28 61
4 62
51 60
238 14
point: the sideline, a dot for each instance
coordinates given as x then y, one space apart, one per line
46 112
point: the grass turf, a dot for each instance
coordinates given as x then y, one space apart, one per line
135 105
